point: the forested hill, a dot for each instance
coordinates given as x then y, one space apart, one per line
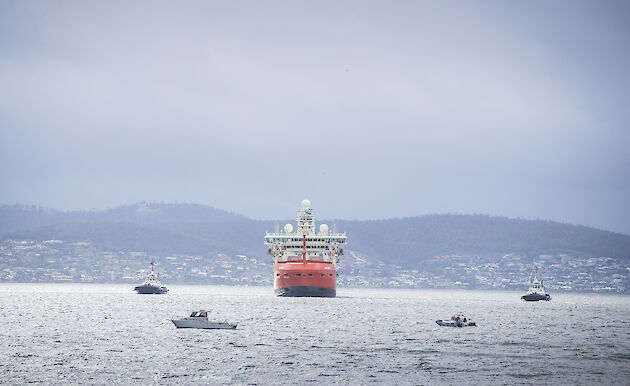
410 240
195 229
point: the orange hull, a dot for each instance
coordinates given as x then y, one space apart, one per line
313 278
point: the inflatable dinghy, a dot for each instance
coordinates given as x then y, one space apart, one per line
451 323
457 320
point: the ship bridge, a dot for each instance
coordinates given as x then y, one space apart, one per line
305 243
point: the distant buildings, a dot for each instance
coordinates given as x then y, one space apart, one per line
59 261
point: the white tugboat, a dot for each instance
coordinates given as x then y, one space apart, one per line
199 319
151 285
536 290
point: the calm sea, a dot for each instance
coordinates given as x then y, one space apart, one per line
88 333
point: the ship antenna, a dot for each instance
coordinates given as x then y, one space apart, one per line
304 248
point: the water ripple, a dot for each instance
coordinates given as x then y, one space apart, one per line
59 334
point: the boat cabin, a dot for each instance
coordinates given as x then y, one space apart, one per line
199 314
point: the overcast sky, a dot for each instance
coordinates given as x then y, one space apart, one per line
371 109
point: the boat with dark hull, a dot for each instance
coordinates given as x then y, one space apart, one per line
306 291
536 290
305 262
151 285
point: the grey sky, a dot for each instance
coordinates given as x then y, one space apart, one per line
371 109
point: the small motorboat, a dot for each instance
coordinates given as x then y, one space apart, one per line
457 320
536 290
199 319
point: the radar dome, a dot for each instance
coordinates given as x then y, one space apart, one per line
288 228
323 228
306 204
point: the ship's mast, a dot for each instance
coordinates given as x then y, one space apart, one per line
305 221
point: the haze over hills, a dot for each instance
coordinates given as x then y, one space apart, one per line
161 229
22 217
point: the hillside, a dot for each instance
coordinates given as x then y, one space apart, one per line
195 229
409 241
22 217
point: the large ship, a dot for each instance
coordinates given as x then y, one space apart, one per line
305 261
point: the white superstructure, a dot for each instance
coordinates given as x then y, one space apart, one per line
536 286
305 242
153 278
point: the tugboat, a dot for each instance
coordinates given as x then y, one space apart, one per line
536 290
199 319
151 284
457 320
